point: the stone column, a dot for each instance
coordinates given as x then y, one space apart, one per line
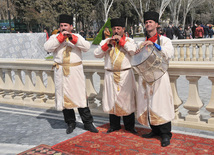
100 94
200 53
175 53
194 52
181 53
212 52
193 103
91 93
39 88
210 106
50 89
207 53
187 53
18 87
8 86
2 85
28 88
176 99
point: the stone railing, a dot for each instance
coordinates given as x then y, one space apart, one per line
31 83
27 82
193 49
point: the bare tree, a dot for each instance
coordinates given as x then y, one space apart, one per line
159 6
188 5
174 7
107 5
147 5
164 4
138 6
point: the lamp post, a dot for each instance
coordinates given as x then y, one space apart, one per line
8 10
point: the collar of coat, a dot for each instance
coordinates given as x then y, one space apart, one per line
154 38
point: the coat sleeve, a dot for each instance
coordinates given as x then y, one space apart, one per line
52 44
102 49
167 48
130 46
81 43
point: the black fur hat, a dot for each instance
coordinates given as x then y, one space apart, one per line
63 18
151 15
118 22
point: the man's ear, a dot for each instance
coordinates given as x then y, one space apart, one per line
157 24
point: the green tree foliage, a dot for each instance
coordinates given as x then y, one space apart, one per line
44 13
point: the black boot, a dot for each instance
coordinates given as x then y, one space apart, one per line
90 127
132 130
112 130
165 140
149 135
70 128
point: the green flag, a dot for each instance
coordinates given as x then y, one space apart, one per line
98 38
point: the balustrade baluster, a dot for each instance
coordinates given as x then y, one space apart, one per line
175 53
200 53
28 88
176 99
50 89
207 53
91 93
210 106
193 103
187 53
39 88
100 94
18 87
2 85
212 52
193 52
181 53
8 86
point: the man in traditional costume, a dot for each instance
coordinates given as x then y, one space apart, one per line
119 84
155 100
68 74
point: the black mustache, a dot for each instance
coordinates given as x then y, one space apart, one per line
63 30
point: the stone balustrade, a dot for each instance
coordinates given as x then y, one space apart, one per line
30 83
193 49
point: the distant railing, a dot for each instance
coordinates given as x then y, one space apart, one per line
31 83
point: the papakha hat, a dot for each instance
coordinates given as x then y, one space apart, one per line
118 22
63 18
151 15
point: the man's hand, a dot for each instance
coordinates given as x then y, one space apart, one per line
146 43
137 51
117 38
110 42
67 34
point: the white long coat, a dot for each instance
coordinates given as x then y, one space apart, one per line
119 94
155 101
70 91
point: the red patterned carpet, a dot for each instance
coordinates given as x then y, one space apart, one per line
41 150
125 143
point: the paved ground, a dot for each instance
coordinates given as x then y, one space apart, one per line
22 128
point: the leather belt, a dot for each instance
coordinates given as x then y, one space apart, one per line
118 70
66 65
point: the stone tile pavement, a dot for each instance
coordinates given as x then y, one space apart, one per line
22 128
